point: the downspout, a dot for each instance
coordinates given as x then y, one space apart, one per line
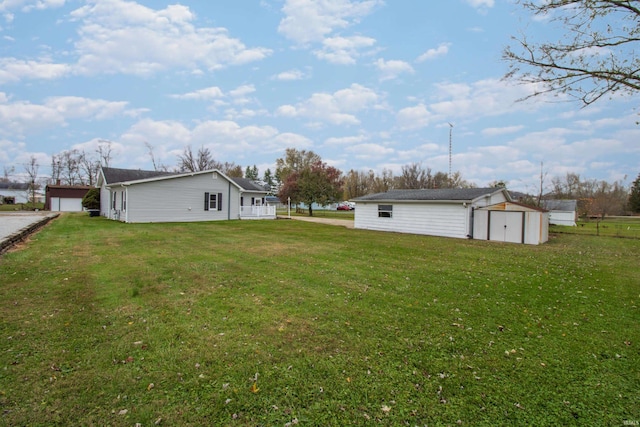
229 201
473 211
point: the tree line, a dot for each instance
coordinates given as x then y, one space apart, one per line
302 177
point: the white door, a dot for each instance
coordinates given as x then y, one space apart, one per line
505 226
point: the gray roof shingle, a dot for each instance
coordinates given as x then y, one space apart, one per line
248 184
560 205
462 194
113 175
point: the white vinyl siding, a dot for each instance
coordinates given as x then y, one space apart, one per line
435 219
562 218
181 200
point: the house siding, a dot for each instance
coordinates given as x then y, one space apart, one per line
562 218
178 200
439 219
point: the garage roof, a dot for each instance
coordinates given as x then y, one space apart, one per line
438 194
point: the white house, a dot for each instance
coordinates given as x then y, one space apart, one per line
511 222
130 195
436 212
562 212
14 192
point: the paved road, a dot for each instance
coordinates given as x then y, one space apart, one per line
13 222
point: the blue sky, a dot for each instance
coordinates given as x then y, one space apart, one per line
367 84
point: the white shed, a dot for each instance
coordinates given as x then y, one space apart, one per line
511 222
435 212
562 212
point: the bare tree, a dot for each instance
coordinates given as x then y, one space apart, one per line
203 160
88 167
414 176
6 174
596 56
31 168
104 152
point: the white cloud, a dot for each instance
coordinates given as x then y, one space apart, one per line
289 75
13 69
21 117
481 3
490 132
208 93
333 108
308 21
71 107
441 50
414 117
370 151
391 69
343 50
28 5
346 140
117 36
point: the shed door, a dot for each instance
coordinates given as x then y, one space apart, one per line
505 226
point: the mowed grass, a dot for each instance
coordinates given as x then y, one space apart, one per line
627 227
266 323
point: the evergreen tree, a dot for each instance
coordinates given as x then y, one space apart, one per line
251 173
634 196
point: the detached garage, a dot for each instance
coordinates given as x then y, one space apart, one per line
65 198
511 222
446 212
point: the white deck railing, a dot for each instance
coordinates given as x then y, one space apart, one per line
249 212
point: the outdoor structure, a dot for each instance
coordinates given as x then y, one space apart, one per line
12 193
436 212
131 195
511 222
466 213
64 198
562 212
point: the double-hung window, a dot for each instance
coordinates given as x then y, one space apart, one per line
212 201
385 211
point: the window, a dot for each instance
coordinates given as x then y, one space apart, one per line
212 201
385 211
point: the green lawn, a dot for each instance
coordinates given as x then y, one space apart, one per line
248 323
628 227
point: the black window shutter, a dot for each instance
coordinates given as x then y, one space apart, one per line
219 201
206 201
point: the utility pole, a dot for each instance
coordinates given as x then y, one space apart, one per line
450 149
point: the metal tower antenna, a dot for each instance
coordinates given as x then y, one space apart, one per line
450 147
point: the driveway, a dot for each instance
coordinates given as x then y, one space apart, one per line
16 226
330 221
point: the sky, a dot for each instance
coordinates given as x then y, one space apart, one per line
365 84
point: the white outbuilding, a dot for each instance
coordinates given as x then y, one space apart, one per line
463 213
562 212
511 222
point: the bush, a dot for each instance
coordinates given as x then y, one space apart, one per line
91 200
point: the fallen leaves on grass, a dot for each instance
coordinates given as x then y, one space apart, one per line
254 388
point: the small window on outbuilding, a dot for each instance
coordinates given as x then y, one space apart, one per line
385 211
